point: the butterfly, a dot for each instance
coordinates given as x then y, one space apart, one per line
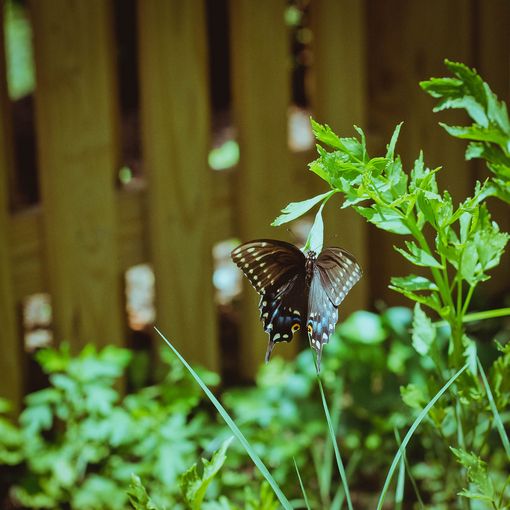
297 290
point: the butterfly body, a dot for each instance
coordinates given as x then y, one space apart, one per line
297 290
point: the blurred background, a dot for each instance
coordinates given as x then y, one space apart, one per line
141 141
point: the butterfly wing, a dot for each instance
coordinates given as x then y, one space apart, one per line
322 315
276 270
338 271
334 274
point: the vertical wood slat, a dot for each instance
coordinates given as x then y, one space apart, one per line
76 121
11 383
493 55
175 135
400 55
340 86
261 95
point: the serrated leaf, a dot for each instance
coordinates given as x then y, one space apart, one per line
476 132
391 147
385 218
138 495
477 472
431 301
326 135
296 209
413 282
193 486
418 256
424 332
413 396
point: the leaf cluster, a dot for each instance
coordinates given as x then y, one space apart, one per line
490 131
79 441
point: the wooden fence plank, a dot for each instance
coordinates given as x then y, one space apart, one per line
175 136
493 59
261 95
76 129
11 383
401 53
340 85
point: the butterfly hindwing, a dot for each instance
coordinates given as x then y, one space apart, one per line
322 315
283 310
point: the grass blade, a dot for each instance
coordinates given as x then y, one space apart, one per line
399 493
411 477
301 483
411 432
251 452
335 445
497 417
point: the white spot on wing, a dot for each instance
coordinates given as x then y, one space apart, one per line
276 337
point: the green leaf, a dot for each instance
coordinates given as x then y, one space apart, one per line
391 147
477 472
193 487
424 332
418 256
466 92
413 396
316 236
476 132
431 301
138 495
296 209
413 282
490 244
385 218
326 135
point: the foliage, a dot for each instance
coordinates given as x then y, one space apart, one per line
466 246
80 443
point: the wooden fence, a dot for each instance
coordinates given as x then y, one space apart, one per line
86 232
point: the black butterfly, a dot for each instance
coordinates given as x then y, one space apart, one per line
296 289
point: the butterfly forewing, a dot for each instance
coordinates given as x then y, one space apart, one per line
338 272
268 263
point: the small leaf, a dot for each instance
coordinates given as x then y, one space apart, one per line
296 209
138 495
413 282
193 487
418 256
477 472
413 396
316 236
424 332
385 218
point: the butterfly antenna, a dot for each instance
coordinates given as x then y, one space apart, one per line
329 239
297 238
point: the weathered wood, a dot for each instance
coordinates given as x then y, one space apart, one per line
340 100
11 383
77 140
408 42
260 85
175 125
492 60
